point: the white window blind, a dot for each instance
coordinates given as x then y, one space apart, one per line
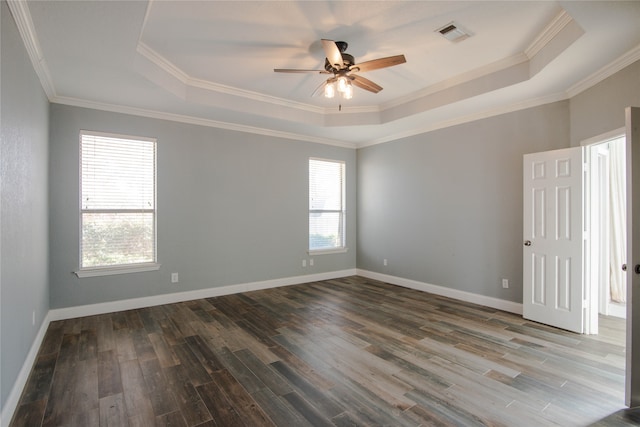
118 200
326 204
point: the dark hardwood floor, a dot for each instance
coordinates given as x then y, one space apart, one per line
341 352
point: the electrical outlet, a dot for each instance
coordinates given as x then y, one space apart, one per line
311 262
505 283
384 261
304 262
174 278
33 318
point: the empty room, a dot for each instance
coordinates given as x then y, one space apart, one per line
319 213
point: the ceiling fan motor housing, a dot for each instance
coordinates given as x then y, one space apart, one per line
347 59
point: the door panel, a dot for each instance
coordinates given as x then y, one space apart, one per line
539 261
553 273
539 211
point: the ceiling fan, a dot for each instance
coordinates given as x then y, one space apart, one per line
343 67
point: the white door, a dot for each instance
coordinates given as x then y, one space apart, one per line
633 257
553 238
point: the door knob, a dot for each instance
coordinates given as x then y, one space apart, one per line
636 269
527 242
624 267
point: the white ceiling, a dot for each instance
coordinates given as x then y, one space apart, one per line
211 62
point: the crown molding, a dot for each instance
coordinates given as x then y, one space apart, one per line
154 114
162 63
184 78
552 29
366 109
170 68
167 66
254 96
474 74
559 22
608 70
469 118
22 17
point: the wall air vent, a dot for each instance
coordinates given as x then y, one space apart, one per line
452 32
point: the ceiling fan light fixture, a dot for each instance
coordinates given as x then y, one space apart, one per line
329 90
347 93
342 84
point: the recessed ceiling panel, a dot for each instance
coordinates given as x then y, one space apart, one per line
211 62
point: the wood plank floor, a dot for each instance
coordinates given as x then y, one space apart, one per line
346 352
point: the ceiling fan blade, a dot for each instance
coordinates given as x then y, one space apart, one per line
365 84
293 70
333 53
319 90
375 64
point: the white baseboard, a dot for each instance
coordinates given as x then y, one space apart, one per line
131 304
617 310
110 307
499 304
14 396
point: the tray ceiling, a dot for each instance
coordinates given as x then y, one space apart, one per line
211 62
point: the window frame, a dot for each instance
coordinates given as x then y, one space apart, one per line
117 268
343 211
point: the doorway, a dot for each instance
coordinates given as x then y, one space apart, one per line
605 216
588 294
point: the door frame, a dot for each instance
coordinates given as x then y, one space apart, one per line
632 373
591 221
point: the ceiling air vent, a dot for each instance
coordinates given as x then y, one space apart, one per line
452 33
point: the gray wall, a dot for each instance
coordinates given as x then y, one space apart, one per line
445 207
600 108
23 210
232 208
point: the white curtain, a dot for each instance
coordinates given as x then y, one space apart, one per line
618 195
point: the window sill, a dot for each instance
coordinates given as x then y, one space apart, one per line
328 251
108 271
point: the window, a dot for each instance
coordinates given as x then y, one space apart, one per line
118 203
326 205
